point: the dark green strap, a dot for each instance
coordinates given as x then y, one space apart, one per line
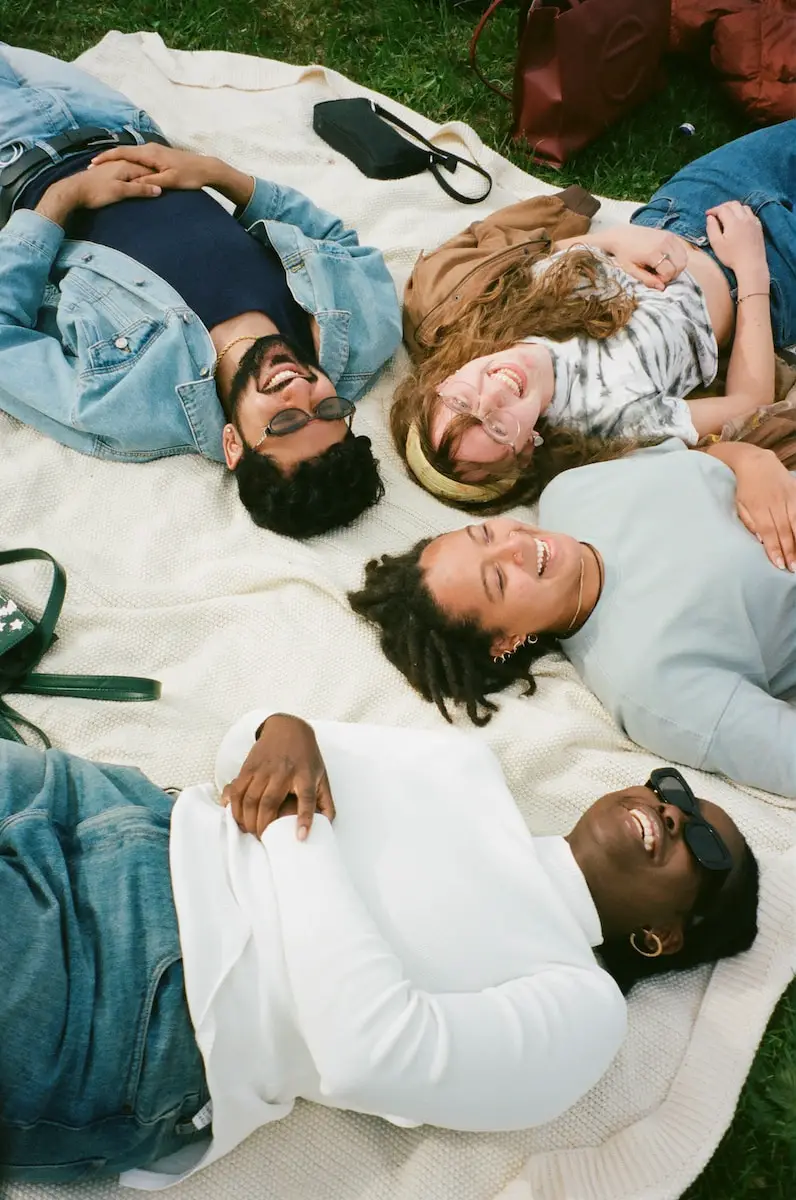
9 733
85 687
45 626
91 687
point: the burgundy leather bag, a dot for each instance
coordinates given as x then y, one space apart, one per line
581 65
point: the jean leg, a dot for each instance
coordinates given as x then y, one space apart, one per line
760 171
41 97
99 1068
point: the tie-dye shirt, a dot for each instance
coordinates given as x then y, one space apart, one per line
633 384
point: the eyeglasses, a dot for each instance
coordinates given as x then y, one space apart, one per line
463 400
705 843
290 420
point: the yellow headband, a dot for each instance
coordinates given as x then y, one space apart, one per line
440 485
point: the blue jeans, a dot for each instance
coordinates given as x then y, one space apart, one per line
759 170
41 97
99 1067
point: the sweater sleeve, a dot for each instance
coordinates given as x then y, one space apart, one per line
508 1057
755 741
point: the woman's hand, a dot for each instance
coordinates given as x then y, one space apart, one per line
765 498
652 256
736 237
283 768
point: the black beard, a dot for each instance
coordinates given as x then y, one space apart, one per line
274 346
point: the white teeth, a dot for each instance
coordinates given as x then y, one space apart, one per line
542 555
281 377
511 380
646 828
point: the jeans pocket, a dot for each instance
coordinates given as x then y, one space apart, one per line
664 212
166 1069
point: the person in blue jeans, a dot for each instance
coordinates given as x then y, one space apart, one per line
171 982
615 335
140 319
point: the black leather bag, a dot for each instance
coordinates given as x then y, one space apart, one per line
24 642
359 130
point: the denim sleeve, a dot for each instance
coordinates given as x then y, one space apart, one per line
272 202
35 374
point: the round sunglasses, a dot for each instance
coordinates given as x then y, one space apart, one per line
705 843
290 420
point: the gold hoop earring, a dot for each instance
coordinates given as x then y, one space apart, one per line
656 953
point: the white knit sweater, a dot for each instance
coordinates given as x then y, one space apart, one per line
425 959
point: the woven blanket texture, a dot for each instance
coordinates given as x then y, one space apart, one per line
168 577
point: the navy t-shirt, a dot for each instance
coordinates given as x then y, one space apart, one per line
194 244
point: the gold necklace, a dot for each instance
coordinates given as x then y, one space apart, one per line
244 337
580 584
580 594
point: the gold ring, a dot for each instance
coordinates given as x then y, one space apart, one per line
660 260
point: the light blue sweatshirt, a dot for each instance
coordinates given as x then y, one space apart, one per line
692 646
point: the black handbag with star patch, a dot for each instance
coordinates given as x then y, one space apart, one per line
23 644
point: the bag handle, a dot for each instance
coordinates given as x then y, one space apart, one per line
445 158
44 632
8 733
479 29
86 687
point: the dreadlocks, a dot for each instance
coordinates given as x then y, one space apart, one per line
442 658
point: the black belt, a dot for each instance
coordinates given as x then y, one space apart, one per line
17 175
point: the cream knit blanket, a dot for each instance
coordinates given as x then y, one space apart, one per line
169 578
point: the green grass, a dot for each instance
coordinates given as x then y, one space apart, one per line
416 52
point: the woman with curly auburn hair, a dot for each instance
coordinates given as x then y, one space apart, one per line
589 349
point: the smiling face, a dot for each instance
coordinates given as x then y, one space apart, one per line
511 389
641 873
271 377
511 579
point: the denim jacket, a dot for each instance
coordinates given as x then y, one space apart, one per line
103 355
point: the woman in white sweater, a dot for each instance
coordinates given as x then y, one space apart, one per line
422 958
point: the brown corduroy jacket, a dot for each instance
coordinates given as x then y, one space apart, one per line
444 281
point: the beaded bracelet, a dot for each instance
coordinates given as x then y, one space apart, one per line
749 295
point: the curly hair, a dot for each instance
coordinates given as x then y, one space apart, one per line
729 927
323 493
441 657
573 297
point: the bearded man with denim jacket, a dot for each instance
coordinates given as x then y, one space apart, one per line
140 319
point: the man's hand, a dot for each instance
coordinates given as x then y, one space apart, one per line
765 498
96 189
284 764
181 170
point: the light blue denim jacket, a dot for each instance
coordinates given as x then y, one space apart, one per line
103 355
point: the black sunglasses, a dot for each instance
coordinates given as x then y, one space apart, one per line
290 420
705 843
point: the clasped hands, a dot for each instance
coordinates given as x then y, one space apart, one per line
142 172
